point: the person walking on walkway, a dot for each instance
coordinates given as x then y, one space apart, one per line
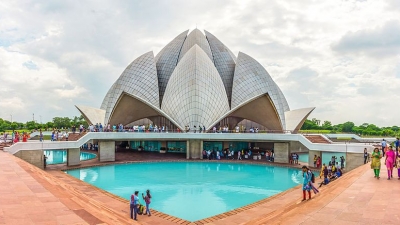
389 161
376 162
365 155
398 163
134 205
147 200
383 144
306 183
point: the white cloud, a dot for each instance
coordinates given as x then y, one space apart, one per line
55 54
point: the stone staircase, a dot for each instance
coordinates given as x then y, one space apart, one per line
317 139
3 145
74 136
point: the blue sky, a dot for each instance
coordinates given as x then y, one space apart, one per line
342 57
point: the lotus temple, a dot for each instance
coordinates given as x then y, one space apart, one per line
195 80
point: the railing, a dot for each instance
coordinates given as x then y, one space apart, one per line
130 136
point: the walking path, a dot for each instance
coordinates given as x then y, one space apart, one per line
29 195
23 200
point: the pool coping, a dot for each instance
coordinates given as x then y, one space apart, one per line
204 220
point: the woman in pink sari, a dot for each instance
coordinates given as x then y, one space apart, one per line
389 161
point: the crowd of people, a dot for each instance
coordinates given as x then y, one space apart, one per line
391 153
15 137
238 155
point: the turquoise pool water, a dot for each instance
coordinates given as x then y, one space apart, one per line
192 190
60 156
303 157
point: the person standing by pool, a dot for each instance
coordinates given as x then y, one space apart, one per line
322 170
389 161
239 157
306 183
147 200
134 205
318 161
376 162
315 160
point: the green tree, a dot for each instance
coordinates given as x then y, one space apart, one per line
62 122
327 125
348 126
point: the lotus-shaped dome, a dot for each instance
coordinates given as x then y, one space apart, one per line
195 80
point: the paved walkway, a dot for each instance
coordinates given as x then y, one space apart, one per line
24 201
356 198
29 195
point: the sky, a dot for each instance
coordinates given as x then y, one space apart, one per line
341 56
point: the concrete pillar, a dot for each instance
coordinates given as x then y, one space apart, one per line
73 157
194 149
106 151
201 149
187 149
281 151
354 160
34 157
311 155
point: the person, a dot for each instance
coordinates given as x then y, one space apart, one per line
325 173
365 155
315 160
376 162
272 156
389 161
239 157
24 137
342 160
396 144
318 161
44 161
383 144
41 135
134 203
147 200
307 183
398 163
322 170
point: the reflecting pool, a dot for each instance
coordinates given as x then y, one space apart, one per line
192 190
60 156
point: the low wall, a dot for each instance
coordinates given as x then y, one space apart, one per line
34 157
354 160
